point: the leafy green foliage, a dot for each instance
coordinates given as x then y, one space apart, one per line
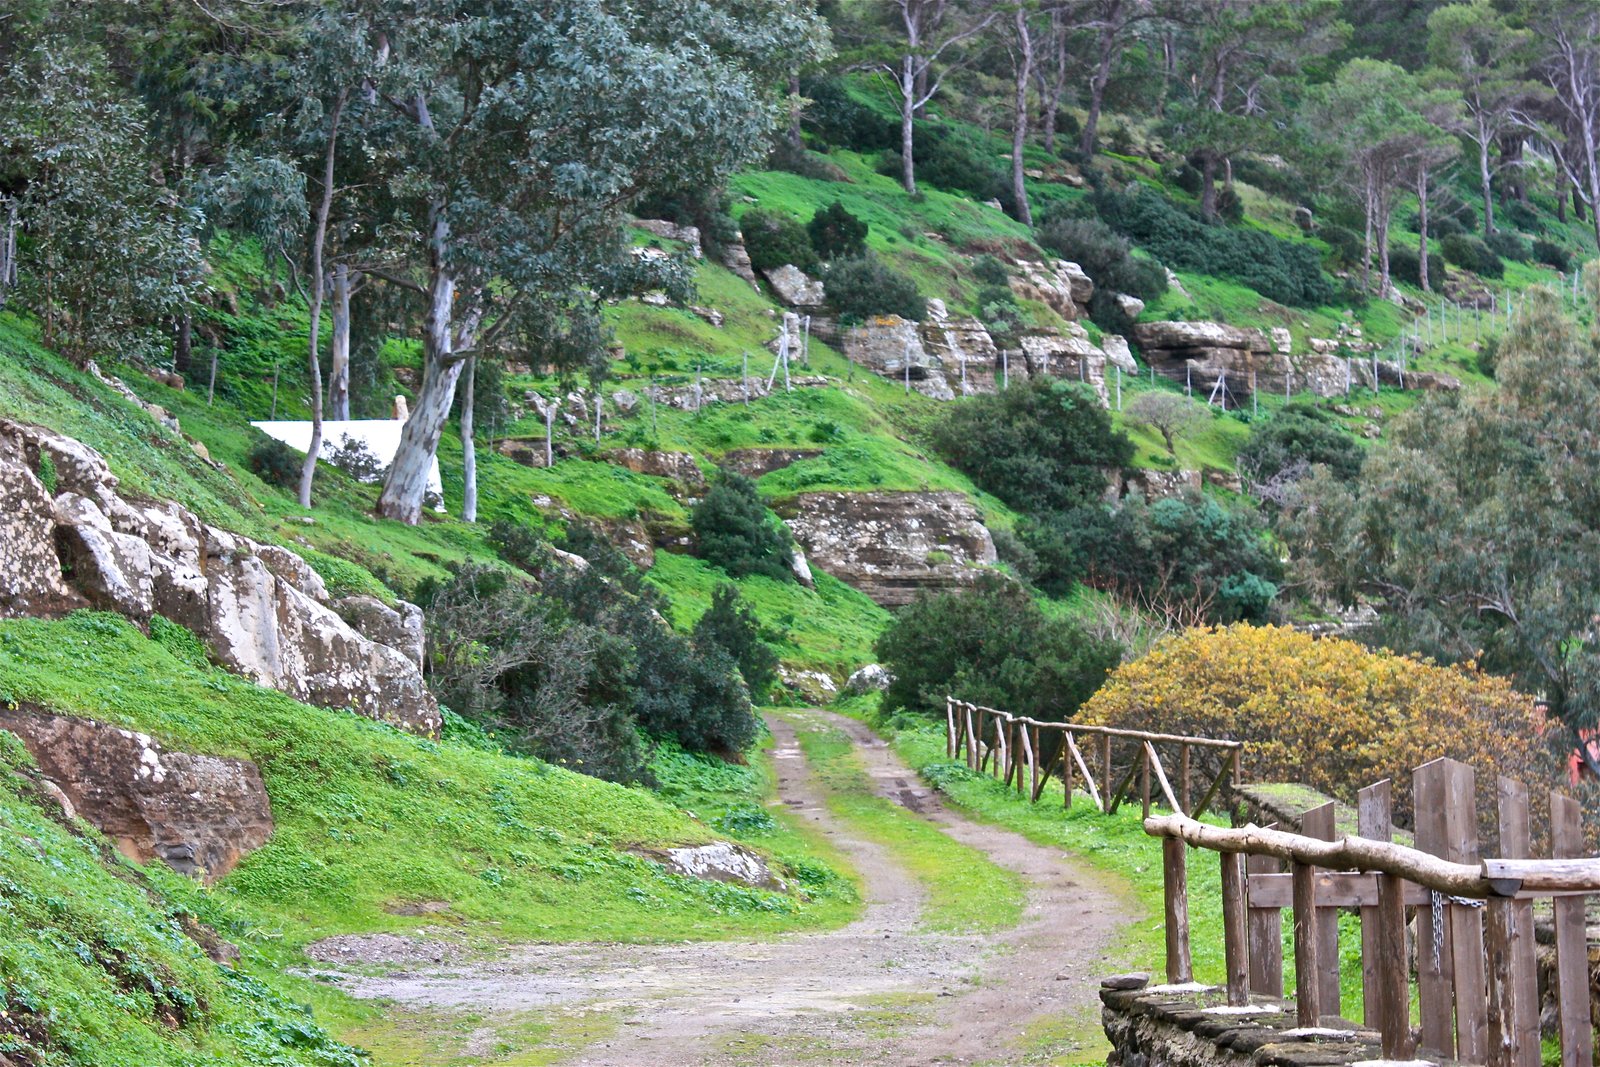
1470 253
990 271
1286 271
837 234
1551 254
1299 436
991 645
866 286
1042 446
275 463
840 120
734 530
1508 244
730 625
774 239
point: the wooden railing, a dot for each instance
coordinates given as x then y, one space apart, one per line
1014 748
1476 976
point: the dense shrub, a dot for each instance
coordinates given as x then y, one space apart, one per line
1043 446
1186 558
774 239
865 286
354 458
991 645
956 162
1295 438
1230 205
700 206
1325 712
1522 216
1286 271
990 271
1551 254
1406 266
999 311
1105 256
1469 253
735 531
275 463
841 121
1508 244
837 234
730 625
1345 243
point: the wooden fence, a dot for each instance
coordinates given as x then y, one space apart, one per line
1020 749
1476 973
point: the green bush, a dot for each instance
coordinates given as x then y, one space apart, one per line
865 286
837 234
1551 254
841 121
1345 243
1406 266
1043 446
1230 205
999 311
1299 434
957 162
1107 258
730 625
1508 244
735 531
1286 271
1469 253
774 239
990 271
275 463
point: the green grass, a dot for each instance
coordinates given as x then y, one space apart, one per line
369 818
966 892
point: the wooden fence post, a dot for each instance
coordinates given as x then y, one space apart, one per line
1466 922
1175 882
1183 777
1307 973
1434 955
1394 964
1105 759
1572 954
1374 820
1318 823
1266 935
1513 975
1144 777
1235 932
949 728
972 740
1066 767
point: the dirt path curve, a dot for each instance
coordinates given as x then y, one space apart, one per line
879 991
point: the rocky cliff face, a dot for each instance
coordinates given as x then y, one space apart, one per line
199 815
1204 353
892 545
260 609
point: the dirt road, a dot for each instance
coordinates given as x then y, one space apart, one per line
879 991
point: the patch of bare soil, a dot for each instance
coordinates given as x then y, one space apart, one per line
879 991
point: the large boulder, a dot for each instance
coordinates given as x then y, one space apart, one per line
1060 284
1202 353
259 609
689 235
200 815
892 545
892 347
963 345
795 287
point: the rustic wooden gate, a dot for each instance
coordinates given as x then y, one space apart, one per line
1476 981
1110 763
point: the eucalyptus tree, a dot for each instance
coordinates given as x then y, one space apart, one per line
1479 55
518 133
1114 24
1477 527
1568 32
934 32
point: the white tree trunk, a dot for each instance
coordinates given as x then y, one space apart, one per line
1422 227
469 455
908 105
319 238
1019 122
339 347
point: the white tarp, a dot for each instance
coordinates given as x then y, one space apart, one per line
381 436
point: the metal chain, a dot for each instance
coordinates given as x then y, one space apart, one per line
1439 900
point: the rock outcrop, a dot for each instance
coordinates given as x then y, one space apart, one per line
892 545
873 678
754 462
891 346
259 609
961 345
200 815
689 235
1060 284
678 467
1204 353
795 287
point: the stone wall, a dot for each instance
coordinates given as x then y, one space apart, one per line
260 609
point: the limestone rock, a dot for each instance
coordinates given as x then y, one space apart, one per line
801 569
1067 354
1156 484
528 451
625 401
198 814
892 347
1118 354
814 686
689 235
679 467
795 287
720 861
1060 284
754 462
711 315
399 627
259 609
1130 306
737 260
963 345
890 545
1282 340
1201 353
873 678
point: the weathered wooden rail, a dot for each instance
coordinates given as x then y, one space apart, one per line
1476 980
1015 748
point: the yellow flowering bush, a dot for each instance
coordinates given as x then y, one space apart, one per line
1328 712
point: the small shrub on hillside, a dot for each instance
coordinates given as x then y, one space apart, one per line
730 625
837 234
693 694
1551 254
953 161
275 463
841 121
1230 205
1326 712
999 311
702 206
1296 438
785 155
990 270
1406 266
1107 258
774 239
1286 271
1345 243
1508 244
991 645
735 531
1522 216
355 459
863 287
1043 446
1469 253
